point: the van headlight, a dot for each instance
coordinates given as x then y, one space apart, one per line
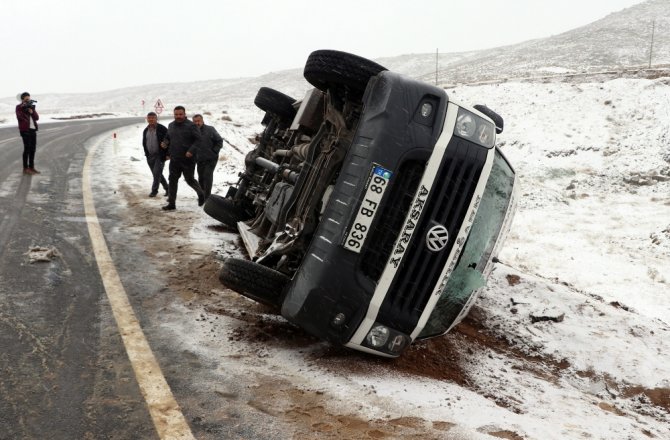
474 128
378 336
386 340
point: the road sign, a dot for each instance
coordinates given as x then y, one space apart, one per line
159 106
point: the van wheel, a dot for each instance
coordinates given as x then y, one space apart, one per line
225 210
332 68
253 280
273 101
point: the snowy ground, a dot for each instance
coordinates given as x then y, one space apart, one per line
590 247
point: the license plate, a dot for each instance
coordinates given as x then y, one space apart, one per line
376 186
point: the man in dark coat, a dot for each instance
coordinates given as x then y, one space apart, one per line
208 154
182 140
28 117
152 137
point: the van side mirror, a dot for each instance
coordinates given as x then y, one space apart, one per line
495 117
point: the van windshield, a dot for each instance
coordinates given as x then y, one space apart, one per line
468 276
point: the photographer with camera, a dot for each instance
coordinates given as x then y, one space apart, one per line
28 117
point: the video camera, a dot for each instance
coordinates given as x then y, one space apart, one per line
29 104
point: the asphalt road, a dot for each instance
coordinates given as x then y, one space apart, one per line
64 372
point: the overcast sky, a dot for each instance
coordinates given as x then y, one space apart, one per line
93 45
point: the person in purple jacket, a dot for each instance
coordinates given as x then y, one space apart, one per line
28 117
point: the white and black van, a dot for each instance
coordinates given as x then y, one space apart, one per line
372 208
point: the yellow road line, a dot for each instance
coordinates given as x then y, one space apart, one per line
165 412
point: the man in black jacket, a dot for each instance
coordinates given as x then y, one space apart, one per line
183 141
208 154
152 137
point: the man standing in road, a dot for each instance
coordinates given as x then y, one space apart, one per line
28 117
152 137
208 154
182 140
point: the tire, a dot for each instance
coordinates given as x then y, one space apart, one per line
253 280
225 210
273 101
330 68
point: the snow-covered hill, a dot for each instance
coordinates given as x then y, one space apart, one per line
620 40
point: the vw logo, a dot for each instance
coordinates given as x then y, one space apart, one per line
437 238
